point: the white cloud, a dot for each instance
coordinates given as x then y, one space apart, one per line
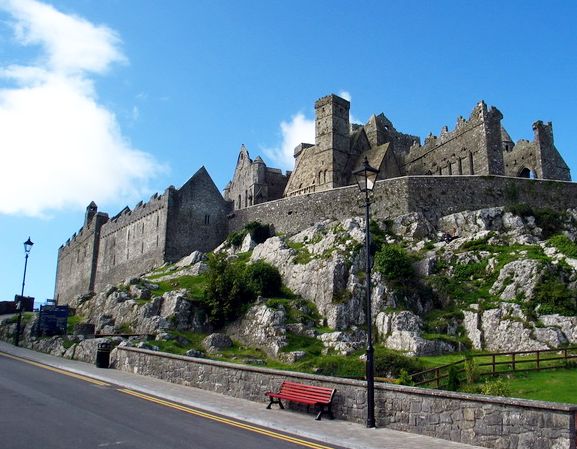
298 130
347 96
59 147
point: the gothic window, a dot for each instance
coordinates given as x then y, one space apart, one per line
157 220
471 166
207 219
460 166
239 202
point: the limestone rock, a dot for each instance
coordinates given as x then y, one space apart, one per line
343 343
412 226
292 357
261 327
327 277
566 325
506 329
248 243
191 259
402 331
214 343
472 324
518 279
194 353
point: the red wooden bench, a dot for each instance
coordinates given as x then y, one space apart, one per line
319 397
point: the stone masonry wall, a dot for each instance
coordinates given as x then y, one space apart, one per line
473 148
76 266
474 419
133 242
434 196
196 218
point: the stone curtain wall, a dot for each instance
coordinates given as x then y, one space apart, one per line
76 266
293 214
434 196
133 242
491 422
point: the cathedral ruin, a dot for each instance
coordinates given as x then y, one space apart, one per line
475 165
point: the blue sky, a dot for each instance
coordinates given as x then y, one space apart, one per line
114 100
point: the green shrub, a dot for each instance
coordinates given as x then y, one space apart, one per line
258 231
496 387
471 371
553 296
232 285
262 279
393 262
405 378
378 237
235 238
564 245
453 381
392 363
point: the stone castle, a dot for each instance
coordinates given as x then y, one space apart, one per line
475 165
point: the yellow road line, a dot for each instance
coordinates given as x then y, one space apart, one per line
230 422
56 370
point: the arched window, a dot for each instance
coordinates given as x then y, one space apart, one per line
527 173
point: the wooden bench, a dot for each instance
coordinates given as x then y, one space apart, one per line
319 397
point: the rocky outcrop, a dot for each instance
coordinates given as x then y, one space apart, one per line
507 328
320 264
119 311
402 331
215 343
518 279
261 327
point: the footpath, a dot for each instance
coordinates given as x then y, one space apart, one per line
330 432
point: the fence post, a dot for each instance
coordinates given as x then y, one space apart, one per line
538 359
513 360
438 376
493 364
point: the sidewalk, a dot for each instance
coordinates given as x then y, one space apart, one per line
336 432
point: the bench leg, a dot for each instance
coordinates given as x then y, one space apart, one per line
273 401
322 410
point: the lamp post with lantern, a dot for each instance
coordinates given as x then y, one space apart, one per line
19 305
366 178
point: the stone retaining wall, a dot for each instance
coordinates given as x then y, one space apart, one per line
486 421
433 196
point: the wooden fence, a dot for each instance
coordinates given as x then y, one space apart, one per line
498 363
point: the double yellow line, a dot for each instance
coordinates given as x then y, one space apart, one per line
230 422
57 370
182 408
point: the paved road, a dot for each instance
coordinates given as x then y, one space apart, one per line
45 407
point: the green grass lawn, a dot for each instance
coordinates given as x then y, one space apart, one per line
552 385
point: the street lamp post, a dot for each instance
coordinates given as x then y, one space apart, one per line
20 306
366 177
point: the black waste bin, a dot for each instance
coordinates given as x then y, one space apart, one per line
103 355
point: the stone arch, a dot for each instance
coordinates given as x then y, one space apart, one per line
526 173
